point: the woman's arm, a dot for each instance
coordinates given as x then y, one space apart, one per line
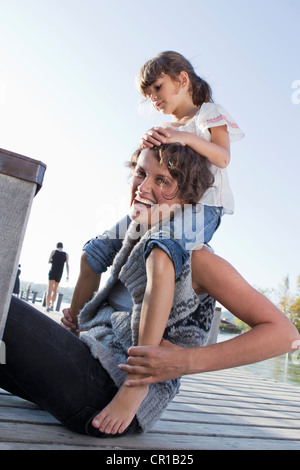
67 265
87 284
51 256
98 254
271 333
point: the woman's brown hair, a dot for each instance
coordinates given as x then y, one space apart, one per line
190 169
172 63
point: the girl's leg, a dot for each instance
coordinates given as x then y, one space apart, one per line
196 224
156 307
212 220
50 366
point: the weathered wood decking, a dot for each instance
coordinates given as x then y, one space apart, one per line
224 410
227 410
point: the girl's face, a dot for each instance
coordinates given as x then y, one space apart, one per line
152 186
165 94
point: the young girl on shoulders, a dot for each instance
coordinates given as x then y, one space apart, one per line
174 88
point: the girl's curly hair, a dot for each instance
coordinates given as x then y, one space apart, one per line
190 169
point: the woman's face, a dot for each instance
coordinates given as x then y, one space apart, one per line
152 186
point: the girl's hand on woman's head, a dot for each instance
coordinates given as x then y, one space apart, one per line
154 137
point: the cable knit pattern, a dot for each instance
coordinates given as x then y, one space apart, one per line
110 333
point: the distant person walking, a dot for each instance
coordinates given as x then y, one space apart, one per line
58 258
16 290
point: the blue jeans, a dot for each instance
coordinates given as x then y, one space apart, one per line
49 366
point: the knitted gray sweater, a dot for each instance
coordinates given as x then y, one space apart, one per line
110 332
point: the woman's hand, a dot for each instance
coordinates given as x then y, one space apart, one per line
157 363
68 321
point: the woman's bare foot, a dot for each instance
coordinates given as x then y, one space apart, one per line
119 413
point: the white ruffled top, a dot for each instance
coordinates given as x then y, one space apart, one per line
213 115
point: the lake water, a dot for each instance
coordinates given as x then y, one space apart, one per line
280 368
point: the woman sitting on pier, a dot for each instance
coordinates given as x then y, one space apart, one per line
79 381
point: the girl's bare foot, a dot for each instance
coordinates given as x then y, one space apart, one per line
119 413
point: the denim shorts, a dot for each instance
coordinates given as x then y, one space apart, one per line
195 225
192 227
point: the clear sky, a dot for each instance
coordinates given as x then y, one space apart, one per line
68 98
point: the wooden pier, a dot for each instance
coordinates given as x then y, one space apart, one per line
226 410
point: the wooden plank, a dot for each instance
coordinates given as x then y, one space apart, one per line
235 419
239 400
29 415
48 447
232 409
235 386
34 416
249 392
232 418
6 399
245 400
193 395
52 437
208 402
241 383
227 430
